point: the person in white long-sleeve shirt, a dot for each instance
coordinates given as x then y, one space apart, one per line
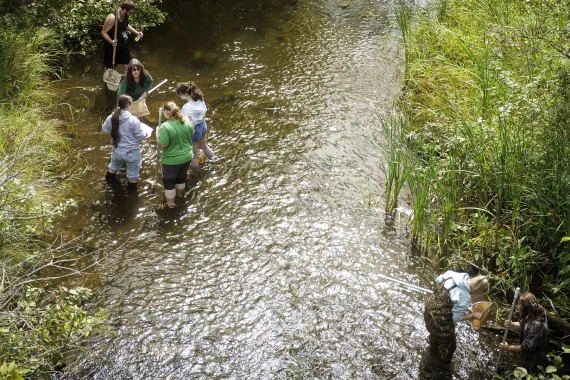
126 134
450 303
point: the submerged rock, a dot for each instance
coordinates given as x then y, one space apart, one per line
205 58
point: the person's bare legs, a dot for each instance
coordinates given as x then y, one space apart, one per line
204 146
195 148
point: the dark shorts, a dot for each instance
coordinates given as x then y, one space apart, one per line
174 174
200 130
122 56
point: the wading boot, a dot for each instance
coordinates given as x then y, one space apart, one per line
110 177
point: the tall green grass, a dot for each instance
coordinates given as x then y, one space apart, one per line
395 170
39 322
487 101
29 61
29 138
404 19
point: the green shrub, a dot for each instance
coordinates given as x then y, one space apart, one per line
487 101
80 22
551 372
43 325
39 322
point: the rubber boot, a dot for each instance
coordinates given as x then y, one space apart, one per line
110 176
180 190
132 186
170 198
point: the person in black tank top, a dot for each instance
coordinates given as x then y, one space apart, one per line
122 55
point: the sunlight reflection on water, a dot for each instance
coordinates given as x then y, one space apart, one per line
271 267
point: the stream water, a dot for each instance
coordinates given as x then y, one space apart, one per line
272 267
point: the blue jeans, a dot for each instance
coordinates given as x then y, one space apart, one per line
131 158
200 130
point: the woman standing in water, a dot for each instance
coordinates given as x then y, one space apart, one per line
533 326
138 82
127 135
195 110
450 303
174 137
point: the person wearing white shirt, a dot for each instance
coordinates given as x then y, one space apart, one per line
195 110
450 303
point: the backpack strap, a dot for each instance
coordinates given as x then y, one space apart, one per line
443 284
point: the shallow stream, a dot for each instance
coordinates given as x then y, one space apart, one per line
272 268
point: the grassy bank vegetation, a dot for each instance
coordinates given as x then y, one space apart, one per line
41 321
486 113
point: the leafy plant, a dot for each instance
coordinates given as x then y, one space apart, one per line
489 115
80 22
10 371
39 328
548 373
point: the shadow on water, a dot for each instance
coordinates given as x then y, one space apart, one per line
272 267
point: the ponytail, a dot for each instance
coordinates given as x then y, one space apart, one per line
123 103
191 90
175 112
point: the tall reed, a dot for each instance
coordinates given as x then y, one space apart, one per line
404 18
487 102
29 62
396 169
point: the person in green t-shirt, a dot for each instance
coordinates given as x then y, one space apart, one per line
138 82
174 136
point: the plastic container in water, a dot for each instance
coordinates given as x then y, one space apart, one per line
483 307
139 108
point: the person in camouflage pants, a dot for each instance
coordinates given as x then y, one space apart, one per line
439 323
450 303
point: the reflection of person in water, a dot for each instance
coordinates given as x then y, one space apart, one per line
533 327
449 303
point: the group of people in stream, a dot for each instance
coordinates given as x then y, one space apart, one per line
183 134
450 303
180 137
